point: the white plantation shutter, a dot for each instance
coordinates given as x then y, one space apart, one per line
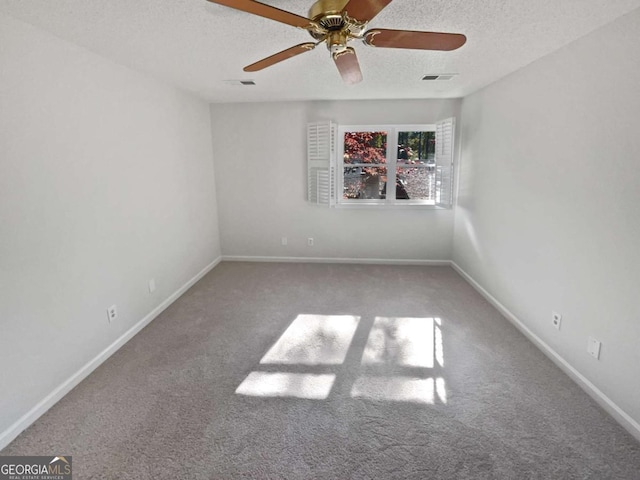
444 162
321 158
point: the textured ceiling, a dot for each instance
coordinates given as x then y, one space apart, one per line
197 45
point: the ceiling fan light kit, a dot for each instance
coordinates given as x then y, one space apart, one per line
336 23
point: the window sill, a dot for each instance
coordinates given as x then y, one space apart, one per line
391 206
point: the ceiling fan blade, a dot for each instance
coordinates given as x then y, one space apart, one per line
267 11
365 10
280 56
348 66
381 37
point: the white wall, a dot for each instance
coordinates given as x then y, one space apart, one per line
106 180
260 161
547 217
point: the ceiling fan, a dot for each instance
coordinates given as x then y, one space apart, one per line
337 22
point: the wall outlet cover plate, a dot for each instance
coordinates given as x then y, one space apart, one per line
593 348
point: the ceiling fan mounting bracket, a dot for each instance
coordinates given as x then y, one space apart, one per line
315 30
370 37
356 27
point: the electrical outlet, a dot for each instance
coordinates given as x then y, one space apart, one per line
112 313
284 241
310 241
556 319
152 285
593 347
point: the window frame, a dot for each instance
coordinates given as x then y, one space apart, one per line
390 200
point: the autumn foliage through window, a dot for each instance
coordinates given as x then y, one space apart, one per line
368 165
365 147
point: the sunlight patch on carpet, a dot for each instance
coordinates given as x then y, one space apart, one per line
438 342
298 385
441 389
402 341
314 340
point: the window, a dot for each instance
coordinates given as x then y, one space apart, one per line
387 164
376 165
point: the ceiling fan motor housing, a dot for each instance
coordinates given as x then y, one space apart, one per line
339 27
326 8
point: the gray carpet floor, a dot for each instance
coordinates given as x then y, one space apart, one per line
303 371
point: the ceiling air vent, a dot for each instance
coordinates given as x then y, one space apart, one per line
238 83
440 76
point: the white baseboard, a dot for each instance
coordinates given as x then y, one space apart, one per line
50 400
364 261
594 392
